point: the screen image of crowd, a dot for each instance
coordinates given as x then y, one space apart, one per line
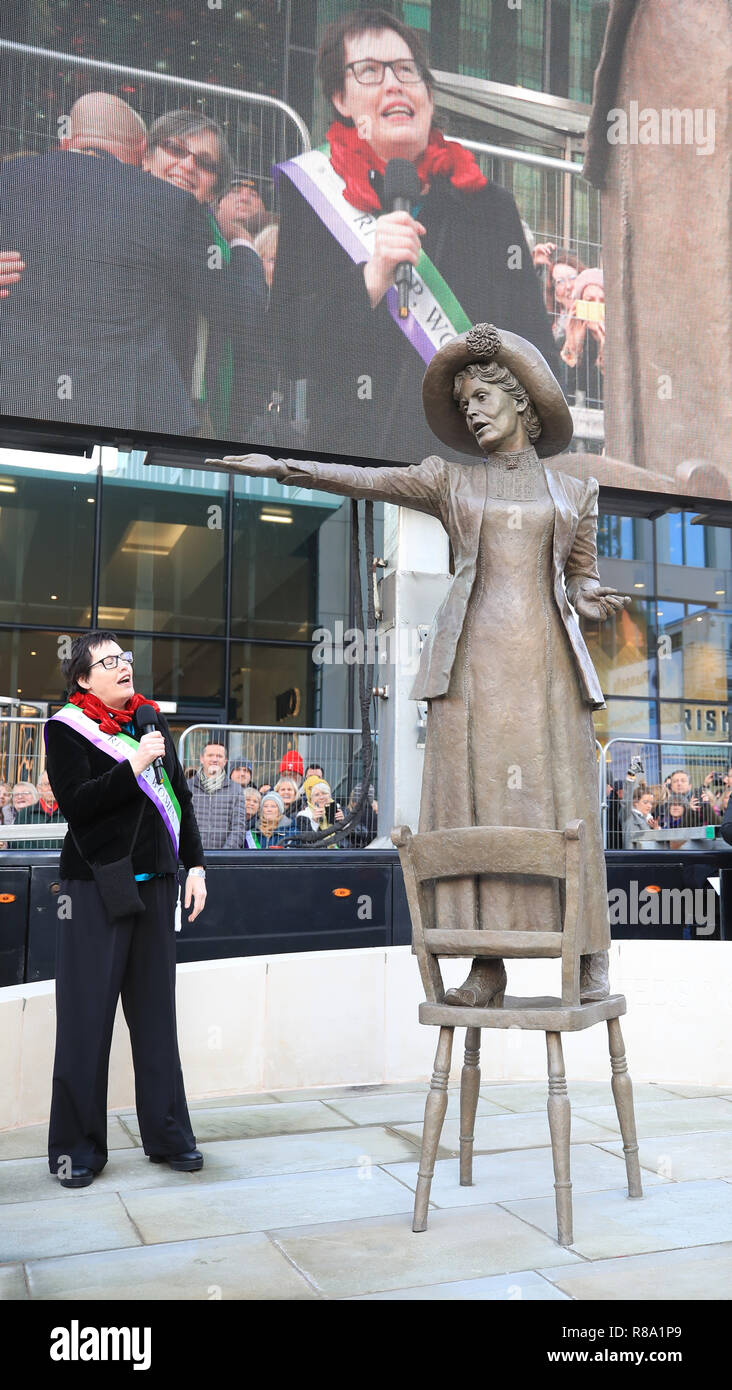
234 810
152 282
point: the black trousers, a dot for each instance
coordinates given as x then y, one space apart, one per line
96 961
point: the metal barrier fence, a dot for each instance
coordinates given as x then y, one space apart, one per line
22 750
41 86
687 787
338 752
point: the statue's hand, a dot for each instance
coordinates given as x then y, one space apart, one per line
600 603
254 465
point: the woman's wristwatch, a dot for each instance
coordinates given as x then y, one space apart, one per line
196 873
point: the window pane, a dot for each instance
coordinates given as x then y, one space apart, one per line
46 547
29 666
267 681
175 669
696 721
694 652
275 565
625 719
162 558
622 650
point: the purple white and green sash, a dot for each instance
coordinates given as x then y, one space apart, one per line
121 747
435 314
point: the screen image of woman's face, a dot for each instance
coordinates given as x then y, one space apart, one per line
393 116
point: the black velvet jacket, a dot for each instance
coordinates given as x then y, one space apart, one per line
101 801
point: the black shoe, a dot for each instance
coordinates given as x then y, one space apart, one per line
188 1162
80 1177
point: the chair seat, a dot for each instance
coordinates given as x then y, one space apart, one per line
544 1013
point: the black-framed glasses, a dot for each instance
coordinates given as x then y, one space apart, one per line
203 162
110 663
371 71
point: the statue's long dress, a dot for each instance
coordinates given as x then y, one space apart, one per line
512 742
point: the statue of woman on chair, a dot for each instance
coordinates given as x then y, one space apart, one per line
509 683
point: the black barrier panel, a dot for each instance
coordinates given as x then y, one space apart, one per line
14 889
669 897
308 901
258 904
42 920
274 902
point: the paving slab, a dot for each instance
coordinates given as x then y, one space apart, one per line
700 1273
401 1108
679 1116
501 1177
526 1286
532 1095
371 1256
256 1204
246 1121
684 1157
216 1102
673 1215
78 1221
495 1132
234 1267
366 1088
25 1180
684 1088
12 1284
31 1141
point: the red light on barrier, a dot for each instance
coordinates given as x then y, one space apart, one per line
341 892
7 897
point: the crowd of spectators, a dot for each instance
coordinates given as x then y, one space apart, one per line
232 810
574 297
673 807
28 803
235 812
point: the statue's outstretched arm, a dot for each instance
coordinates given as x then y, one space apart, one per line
422 487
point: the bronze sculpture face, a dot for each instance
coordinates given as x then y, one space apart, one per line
496 408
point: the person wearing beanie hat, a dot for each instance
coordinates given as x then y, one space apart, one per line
509 683
269 833
291 765
240 771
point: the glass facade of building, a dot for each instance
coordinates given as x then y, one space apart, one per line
665 663
216 583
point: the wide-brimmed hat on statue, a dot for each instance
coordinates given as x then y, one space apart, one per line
484 344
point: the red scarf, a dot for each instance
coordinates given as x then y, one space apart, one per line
110 721
353 159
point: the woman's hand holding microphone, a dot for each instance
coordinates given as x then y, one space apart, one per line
152 746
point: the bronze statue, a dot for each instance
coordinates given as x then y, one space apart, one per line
508 679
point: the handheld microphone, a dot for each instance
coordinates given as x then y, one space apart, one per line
401 192
146 721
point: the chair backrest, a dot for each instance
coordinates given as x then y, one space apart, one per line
492 850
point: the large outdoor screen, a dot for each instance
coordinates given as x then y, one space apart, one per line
202 230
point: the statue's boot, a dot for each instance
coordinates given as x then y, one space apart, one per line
594 982
485 985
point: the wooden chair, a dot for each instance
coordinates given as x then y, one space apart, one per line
507 850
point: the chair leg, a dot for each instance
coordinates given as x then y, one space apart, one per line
434 1115
623 1097
560 1118
469 1090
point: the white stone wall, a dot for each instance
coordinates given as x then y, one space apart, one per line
350 1017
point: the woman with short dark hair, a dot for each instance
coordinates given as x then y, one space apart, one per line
128 808
334 304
